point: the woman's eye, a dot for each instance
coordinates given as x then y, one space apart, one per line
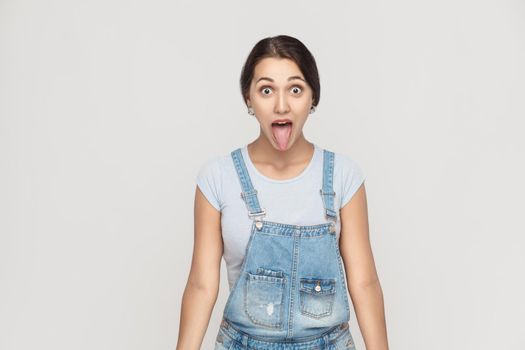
266 90
297 89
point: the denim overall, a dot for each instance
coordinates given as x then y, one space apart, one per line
291 291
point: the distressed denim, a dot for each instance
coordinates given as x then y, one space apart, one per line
291 292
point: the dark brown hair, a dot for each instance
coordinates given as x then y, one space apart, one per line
282 46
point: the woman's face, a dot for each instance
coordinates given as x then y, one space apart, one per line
278 91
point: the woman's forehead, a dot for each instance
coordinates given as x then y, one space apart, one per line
277 69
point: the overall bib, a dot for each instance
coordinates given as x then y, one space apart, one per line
291 291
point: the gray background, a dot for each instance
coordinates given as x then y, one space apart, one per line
109 108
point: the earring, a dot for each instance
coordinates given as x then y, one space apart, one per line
312 109
250 111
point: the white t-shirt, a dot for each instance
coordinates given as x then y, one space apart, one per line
295 201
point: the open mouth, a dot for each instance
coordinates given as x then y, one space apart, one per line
281 132
282 123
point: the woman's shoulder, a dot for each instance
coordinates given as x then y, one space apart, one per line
211 177
348 175
214 166
343 161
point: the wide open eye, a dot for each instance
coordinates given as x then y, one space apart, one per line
297 89
266 90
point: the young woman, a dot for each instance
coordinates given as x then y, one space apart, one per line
286 215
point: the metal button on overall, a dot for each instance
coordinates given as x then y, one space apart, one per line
317 297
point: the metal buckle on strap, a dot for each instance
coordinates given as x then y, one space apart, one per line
260 213
258 220
326 193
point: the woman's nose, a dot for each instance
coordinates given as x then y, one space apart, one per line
281 105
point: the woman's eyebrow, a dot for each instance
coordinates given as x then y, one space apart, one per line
270 79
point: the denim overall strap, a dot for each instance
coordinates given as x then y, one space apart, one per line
248 194
327 191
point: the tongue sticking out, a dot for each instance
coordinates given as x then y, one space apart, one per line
282 134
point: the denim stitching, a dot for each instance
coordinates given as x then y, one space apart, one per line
293 282
343 278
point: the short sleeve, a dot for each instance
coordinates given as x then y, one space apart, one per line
209 181
352 178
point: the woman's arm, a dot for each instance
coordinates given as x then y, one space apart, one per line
363 282
202 287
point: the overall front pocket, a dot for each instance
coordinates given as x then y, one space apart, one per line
317 296
263 299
